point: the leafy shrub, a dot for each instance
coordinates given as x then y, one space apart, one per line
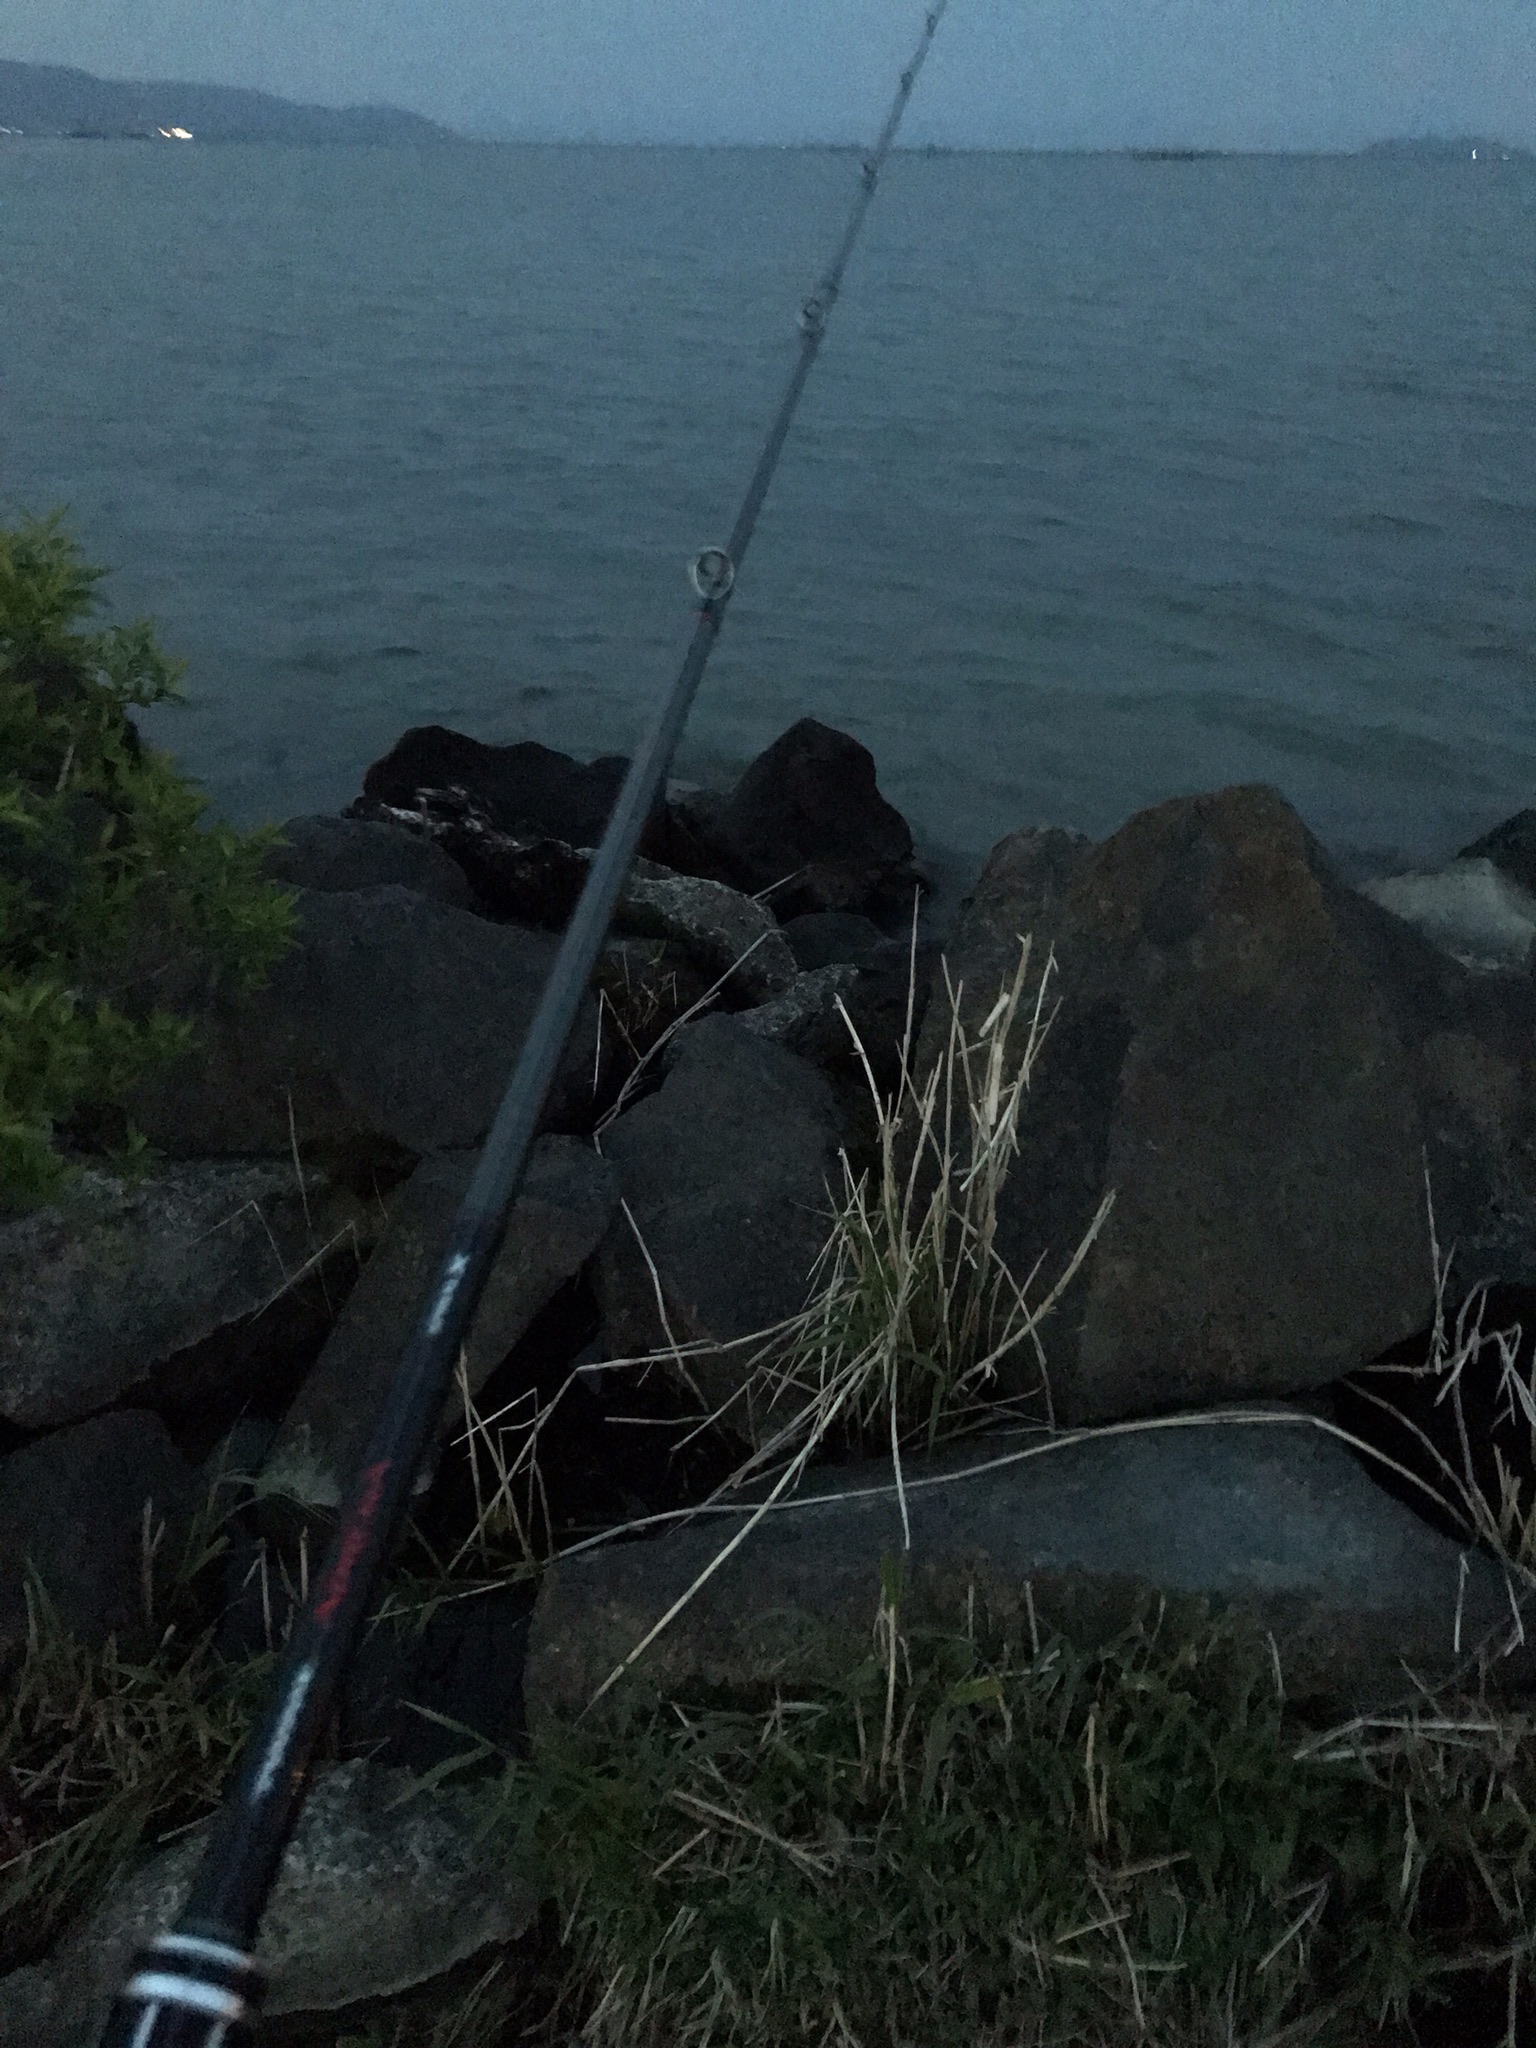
117 904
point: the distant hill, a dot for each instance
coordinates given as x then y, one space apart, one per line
1461 147
50 99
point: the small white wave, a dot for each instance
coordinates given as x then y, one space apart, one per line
1471 910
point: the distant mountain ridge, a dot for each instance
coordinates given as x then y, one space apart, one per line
52 99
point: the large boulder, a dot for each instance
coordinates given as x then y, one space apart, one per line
100 1292
75 1510
391 1025
350 853
565 1205
1267 1522
807 822
384 1885
526 790
728 1174
1256 1060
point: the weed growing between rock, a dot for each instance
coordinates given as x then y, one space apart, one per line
914 1308
103 1751
911 1306
967 1843
109 882
1459 1425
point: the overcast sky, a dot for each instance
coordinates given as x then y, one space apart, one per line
1238 73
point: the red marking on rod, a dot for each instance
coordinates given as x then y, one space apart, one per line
353 1543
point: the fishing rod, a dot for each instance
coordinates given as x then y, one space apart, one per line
198 1985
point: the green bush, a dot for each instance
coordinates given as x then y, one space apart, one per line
118 905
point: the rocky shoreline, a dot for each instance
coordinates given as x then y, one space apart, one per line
1299 1094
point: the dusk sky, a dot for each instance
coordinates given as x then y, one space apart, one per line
1010 73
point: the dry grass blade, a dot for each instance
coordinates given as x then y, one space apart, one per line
633 1078
1500 1515
510 1501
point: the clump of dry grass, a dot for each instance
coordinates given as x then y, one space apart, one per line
509 1536
102 1752
914 1307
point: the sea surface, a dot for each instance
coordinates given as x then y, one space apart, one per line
1116 479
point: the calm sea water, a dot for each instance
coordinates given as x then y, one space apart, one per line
1116 479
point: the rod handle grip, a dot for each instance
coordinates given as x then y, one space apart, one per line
185 1991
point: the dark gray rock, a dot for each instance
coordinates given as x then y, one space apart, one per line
806 1018
807 821
384 1886
823 938
1022 890
100 1290
716 926
463 1661
727 1172
1470 1041
526 790
1511 847
537 880
1271 1523
855 1008
567 1202
346 853
392 1024
1255 1059
73 1507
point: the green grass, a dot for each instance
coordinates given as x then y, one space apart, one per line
960 1844
965 1840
